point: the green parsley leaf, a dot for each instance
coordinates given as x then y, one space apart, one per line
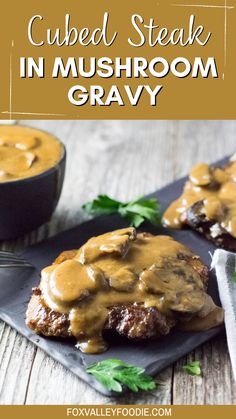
234 277
193 368
112 373
135 212
102 205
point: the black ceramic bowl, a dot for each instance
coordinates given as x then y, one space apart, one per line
27 203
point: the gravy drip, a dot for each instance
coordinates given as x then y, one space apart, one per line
26 152
117 268
216 187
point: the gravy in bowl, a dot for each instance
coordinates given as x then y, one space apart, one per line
26 152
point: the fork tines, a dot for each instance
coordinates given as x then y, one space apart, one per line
11 260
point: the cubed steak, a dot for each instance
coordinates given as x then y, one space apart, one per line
137 285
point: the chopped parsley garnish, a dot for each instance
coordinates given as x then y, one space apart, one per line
234 277
193 368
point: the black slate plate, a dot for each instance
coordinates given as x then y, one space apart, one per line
16 285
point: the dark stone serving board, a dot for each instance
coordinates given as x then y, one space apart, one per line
16 285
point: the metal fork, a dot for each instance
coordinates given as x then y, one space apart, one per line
11 260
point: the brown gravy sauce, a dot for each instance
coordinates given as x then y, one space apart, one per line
121 267
26 152
217 188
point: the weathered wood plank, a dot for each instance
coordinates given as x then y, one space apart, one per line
215 386
124 159
16 357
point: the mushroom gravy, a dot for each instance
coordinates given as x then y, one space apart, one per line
26 152
122 267
216 187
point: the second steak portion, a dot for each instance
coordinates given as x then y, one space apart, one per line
207 204
197 220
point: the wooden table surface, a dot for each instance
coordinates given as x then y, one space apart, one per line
123 159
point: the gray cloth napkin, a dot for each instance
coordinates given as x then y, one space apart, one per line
224 264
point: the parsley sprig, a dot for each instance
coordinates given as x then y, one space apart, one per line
135 212
193 368
234 277
112 373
